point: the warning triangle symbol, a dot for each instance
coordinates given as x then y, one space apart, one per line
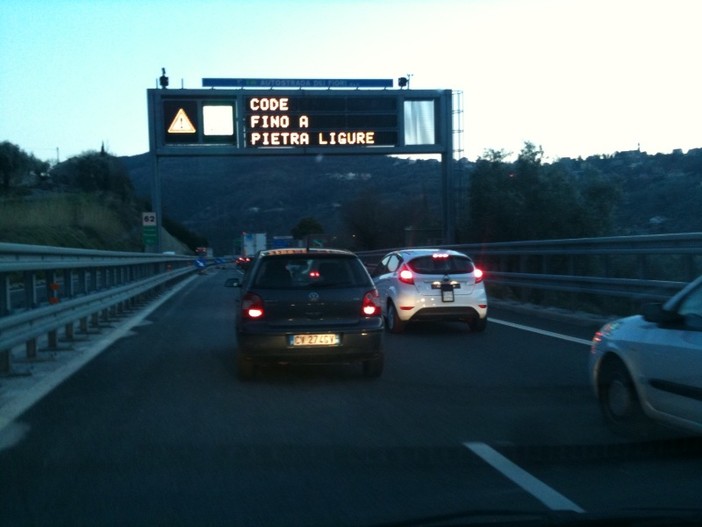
181 124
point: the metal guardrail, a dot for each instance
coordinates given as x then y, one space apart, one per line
44 289
634 268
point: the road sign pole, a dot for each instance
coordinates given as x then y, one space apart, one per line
156 201
447 186
155 118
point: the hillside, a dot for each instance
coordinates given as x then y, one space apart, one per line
87 201
95 200
659 193
219 198
69 220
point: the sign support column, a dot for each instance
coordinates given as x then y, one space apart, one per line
155 174
156 201
447 187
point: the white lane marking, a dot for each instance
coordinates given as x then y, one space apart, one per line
542 332
537 488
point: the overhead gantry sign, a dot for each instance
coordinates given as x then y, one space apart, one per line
301 116
256 121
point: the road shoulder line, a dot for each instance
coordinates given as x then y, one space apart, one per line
18 405
541 332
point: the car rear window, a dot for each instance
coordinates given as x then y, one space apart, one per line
304 271
446 264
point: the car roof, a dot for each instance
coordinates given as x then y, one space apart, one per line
311 251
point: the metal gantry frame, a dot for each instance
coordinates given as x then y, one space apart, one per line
444 131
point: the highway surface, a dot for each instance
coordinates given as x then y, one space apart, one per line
157 430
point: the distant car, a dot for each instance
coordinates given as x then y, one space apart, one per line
649 366
430 285
309 306
243 262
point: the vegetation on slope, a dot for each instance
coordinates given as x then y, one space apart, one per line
87 201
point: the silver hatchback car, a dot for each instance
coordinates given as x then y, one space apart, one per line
430 285
648 368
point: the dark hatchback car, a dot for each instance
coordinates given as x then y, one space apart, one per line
308 305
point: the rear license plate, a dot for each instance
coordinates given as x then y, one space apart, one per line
321 339
447 293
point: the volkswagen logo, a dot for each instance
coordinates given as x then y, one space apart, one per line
313 297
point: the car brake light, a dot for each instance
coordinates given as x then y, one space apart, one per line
252 306
479 275
405 275
371 304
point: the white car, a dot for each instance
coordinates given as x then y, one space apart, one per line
430 285
649 366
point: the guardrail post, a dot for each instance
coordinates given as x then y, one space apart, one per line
30 289
68 331
31 348
5 300
51 286
53 339
5 361
68 286
91 281
83 281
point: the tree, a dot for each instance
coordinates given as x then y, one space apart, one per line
492 201
527 200
494 156
305 227
363 216
95 171
16 165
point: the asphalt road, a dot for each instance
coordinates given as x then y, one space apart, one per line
157 430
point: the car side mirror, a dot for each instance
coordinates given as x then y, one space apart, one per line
655 313
232 282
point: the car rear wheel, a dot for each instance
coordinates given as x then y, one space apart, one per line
394 324
619 401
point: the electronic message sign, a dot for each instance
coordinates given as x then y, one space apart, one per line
345 120
302 121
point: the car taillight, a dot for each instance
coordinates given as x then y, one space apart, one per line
406 276
479 275
371 304
252 306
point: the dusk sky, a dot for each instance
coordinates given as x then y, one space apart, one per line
576 77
